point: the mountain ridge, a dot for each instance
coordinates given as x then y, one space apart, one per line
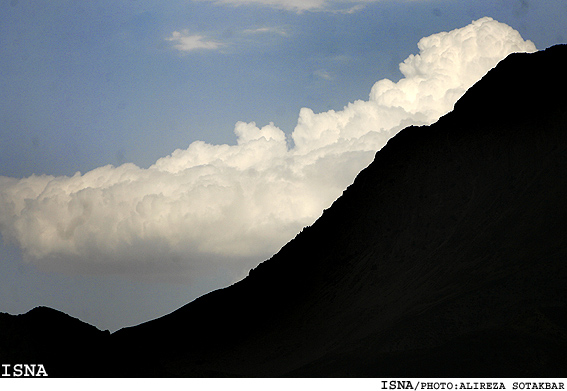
445 257
52 338
314 283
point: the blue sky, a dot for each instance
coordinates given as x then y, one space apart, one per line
87 84
92 83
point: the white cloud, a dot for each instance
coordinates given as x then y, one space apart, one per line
323 74
334 6
223 208
266 30
293 5
185 42
351 10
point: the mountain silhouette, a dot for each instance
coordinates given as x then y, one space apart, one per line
63 344
446 257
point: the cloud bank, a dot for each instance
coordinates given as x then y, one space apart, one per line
224 208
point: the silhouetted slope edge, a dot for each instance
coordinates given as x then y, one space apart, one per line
64 345
446 257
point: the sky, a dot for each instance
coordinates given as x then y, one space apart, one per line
151 152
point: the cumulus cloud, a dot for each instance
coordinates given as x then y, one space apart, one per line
186 42
224 208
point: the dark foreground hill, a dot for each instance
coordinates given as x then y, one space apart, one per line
62 344
446 257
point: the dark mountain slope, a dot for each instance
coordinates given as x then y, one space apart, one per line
63 344
446 257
